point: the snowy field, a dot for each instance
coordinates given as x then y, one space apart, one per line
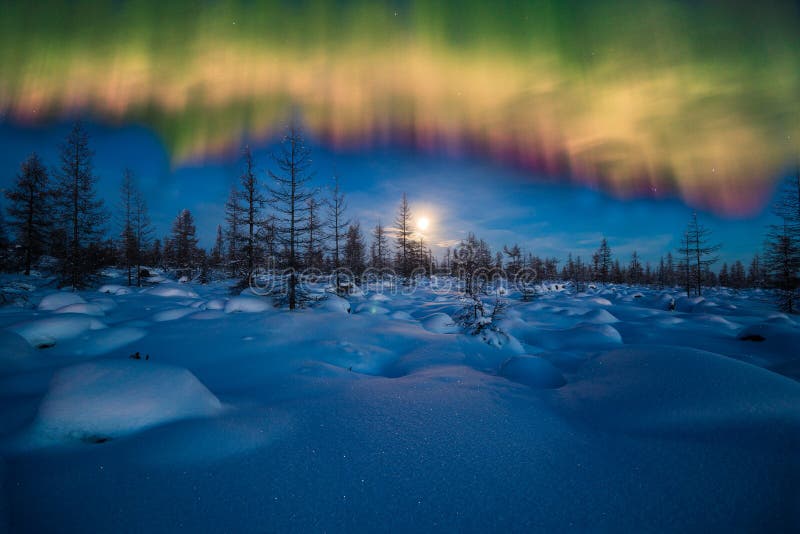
597 411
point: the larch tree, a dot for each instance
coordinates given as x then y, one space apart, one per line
234 213
782 254
380 247
252 202
143 232
29 209
635 272
316 236
685 263
404 235
128 244
337 225
355 249
289 195
603 261
218 250
80 212
702 252
184 244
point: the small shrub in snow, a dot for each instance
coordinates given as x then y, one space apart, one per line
479 319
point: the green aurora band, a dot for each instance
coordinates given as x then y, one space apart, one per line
658 98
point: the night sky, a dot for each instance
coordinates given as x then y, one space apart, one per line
547 123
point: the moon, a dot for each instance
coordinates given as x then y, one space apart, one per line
423 223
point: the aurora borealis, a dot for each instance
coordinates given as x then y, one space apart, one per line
659 98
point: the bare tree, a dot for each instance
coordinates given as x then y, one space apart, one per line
404 236
29 209
337 224
218 250
289 196
79 210
252 204
635 272
143 232
702 253
234 214
128 245
380 247
685 263
314 250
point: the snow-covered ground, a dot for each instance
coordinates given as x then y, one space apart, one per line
597 411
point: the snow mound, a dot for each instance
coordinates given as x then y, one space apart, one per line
171 291
207 315
15 353
402 316
677 389
105 304
600 316
687 304
379 297
247 305
85 309
216 304
780 340
106 399
173 314
55 301
114 289
42 333
532 371
440 323
110 339
335 303
582 336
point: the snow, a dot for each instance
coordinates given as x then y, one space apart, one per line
173 314
170 290
55 301
666 389
215 304
46 332
532 371
103 400
16 352
440 323
335 303
114 289
592 411
84 308
370 307
247 305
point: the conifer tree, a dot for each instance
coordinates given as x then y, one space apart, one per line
80 212
403 237
289 196
29 209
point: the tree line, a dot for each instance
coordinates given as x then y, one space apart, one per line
284 224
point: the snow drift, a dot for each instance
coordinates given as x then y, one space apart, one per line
101 400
